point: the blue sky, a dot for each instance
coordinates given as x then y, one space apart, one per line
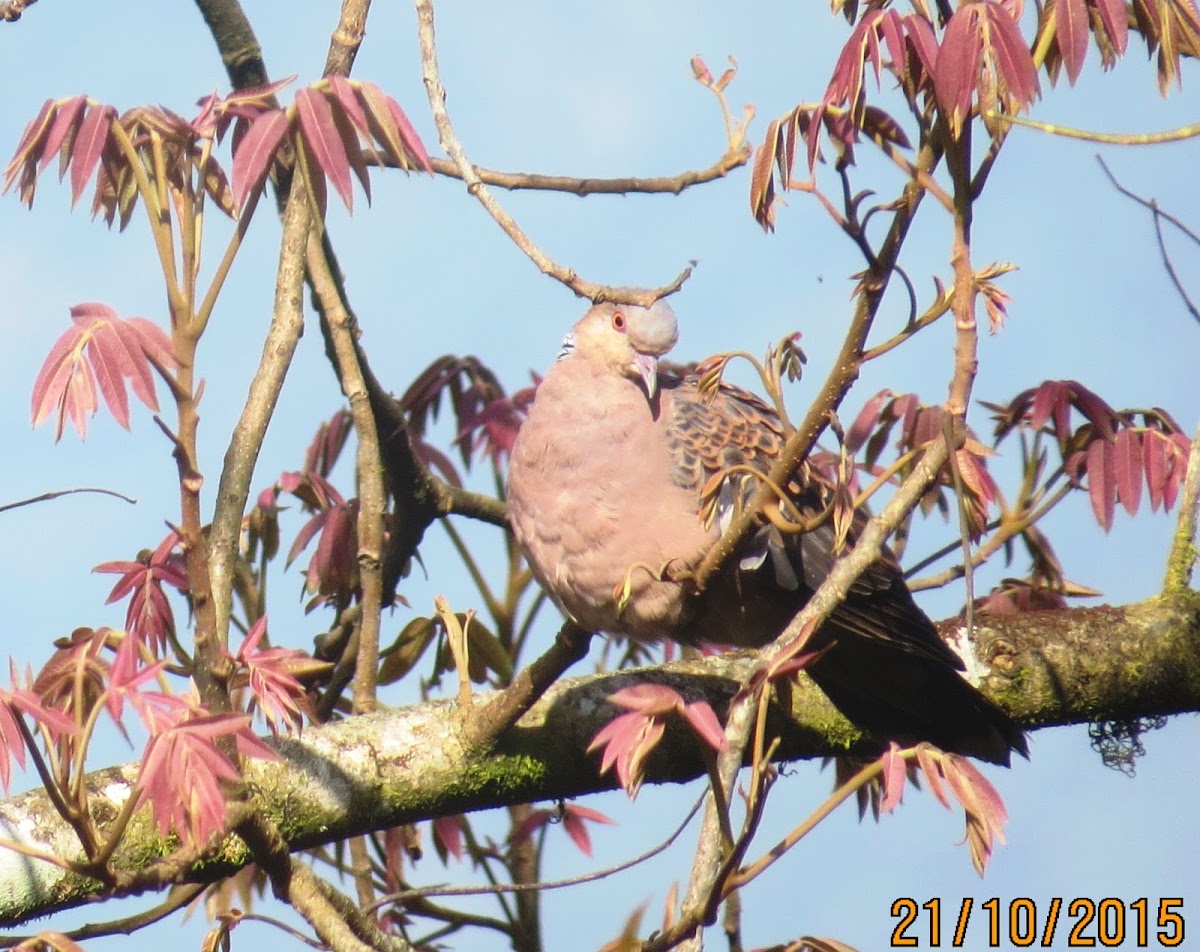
594 89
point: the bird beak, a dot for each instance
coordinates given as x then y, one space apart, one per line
647 366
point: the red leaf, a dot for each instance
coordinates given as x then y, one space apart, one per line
183 772
1115 22
1180 447
255 154
704 722
648 699
391 128
573 819
627 741
63 127
1102 486
1050 399
343 91
346 128
923 40
98 348
448 836
1095 408
111 362
23 159
1127 459
278 694
1071 30
89 146
933 774
324 141
866 420
1010 53
1154 460
895 772
412 141
957 71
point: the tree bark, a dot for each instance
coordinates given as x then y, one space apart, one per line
379 770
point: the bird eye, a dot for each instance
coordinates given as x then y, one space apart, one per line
618 321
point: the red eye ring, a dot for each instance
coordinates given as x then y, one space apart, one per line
618 321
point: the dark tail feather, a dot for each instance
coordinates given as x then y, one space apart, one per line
897 695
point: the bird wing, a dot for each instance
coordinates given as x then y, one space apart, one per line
718 440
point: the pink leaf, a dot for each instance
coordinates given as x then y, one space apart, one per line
933 773
648 699
448 836
866 421
957 71
412 141
256 152
63 127
1102 486
704 722
923 40
1180 446
1154 460
1127 460
895 773
1115 22
1071 26
89 146
325 141
1010 53
24 158
574 818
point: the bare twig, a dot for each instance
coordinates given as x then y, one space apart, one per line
488 721
128 924
1159 216
46 497
476 186
573 185
1108 138
432 891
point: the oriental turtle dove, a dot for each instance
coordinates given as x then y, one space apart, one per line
606 488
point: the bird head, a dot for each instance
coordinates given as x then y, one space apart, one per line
627 339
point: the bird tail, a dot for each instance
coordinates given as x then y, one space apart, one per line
897 695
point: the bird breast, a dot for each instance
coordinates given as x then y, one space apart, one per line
594 508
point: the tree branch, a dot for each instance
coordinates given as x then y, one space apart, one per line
476 186
376 771
662 184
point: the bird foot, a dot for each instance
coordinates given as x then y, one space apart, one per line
671 570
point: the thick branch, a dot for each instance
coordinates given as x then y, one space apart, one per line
376 771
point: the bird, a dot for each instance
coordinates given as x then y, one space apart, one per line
607 487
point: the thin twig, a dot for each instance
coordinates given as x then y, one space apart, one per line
46 497
841 377
127 925
477 187
574 185
1108 138
442 891
1159 215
